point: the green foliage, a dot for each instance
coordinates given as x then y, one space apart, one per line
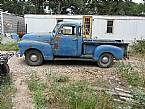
12 46
38 91
78 95
139 98
6 92
0 37
60 92
83 7
138 47
128 73
61 79
75 95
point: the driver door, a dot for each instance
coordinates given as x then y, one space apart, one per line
65 42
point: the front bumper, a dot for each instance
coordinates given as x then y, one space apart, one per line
18 54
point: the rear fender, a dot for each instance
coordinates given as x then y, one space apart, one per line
114 50
44 48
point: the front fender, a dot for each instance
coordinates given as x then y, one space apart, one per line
114 50
44 48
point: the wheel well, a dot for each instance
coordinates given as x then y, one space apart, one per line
108 53
33 49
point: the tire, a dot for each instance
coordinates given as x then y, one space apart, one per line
4 69
105 60
33 58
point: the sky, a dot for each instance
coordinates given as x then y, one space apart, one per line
138 1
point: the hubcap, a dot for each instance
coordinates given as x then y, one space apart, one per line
33 58
105 60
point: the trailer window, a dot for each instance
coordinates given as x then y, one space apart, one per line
110 26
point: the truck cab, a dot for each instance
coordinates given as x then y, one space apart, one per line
67 41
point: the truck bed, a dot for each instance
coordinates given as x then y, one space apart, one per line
90 45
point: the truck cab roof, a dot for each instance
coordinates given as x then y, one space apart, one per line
70 23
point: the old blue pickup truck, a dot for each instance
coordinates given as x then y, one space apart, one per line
67 41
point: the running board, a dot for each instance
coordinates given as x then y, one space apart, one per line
83 57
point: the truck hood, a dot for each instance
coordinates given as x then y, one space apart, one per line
42 37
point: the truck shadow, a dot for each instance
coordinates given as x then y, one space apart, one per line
70 62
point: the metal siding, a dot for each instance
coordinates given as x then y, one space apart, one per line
40 25
141 29
10 23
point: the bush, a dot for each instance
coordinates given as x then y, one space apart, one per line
12 46
131 75
138 47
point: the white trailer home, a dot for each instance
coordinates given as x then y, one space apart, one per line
123 28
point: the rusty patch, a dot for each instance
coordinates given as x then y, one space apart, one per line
56 46
30 46
49 42
57 37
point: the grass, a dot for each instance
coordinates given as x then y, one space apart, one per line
61 93
6 92
137 49
38 91
12 46
135 78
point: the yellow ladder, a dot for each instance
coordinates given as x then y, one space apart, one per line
87 27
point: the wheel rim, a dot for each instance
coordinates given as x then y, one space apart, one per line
105 59
34 58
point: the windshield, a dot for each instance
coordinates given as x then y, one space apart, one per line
56 28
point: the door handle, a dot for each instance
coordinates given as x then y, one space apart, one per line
74 39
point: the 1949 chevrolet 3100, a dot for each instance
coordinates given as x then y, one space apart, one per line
67 41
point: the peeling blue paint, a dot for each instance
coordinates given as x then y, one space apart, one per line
58 44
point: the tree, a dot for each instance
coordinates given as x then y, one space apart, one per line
38 6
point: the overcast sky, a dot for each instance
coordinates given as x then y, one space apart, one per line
138 1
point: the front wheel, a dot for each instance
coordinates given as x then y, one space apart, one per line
105 60
33 58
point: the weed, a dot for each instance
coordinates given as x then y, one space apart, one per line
139 97
38 91
6 92
135 77
128 73
138 48
78 95
12 46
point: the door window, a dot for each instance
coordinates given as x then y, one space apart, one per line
68 30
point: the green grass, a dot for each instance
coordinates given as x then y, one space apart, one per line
12 46
137 49
6 92
37 89
78 95
133 76
60 92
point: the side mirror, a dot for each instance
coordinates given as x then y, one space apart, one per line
61 31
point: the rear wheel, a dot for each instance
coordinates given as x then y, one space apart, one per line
4 69
33 58
105 60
